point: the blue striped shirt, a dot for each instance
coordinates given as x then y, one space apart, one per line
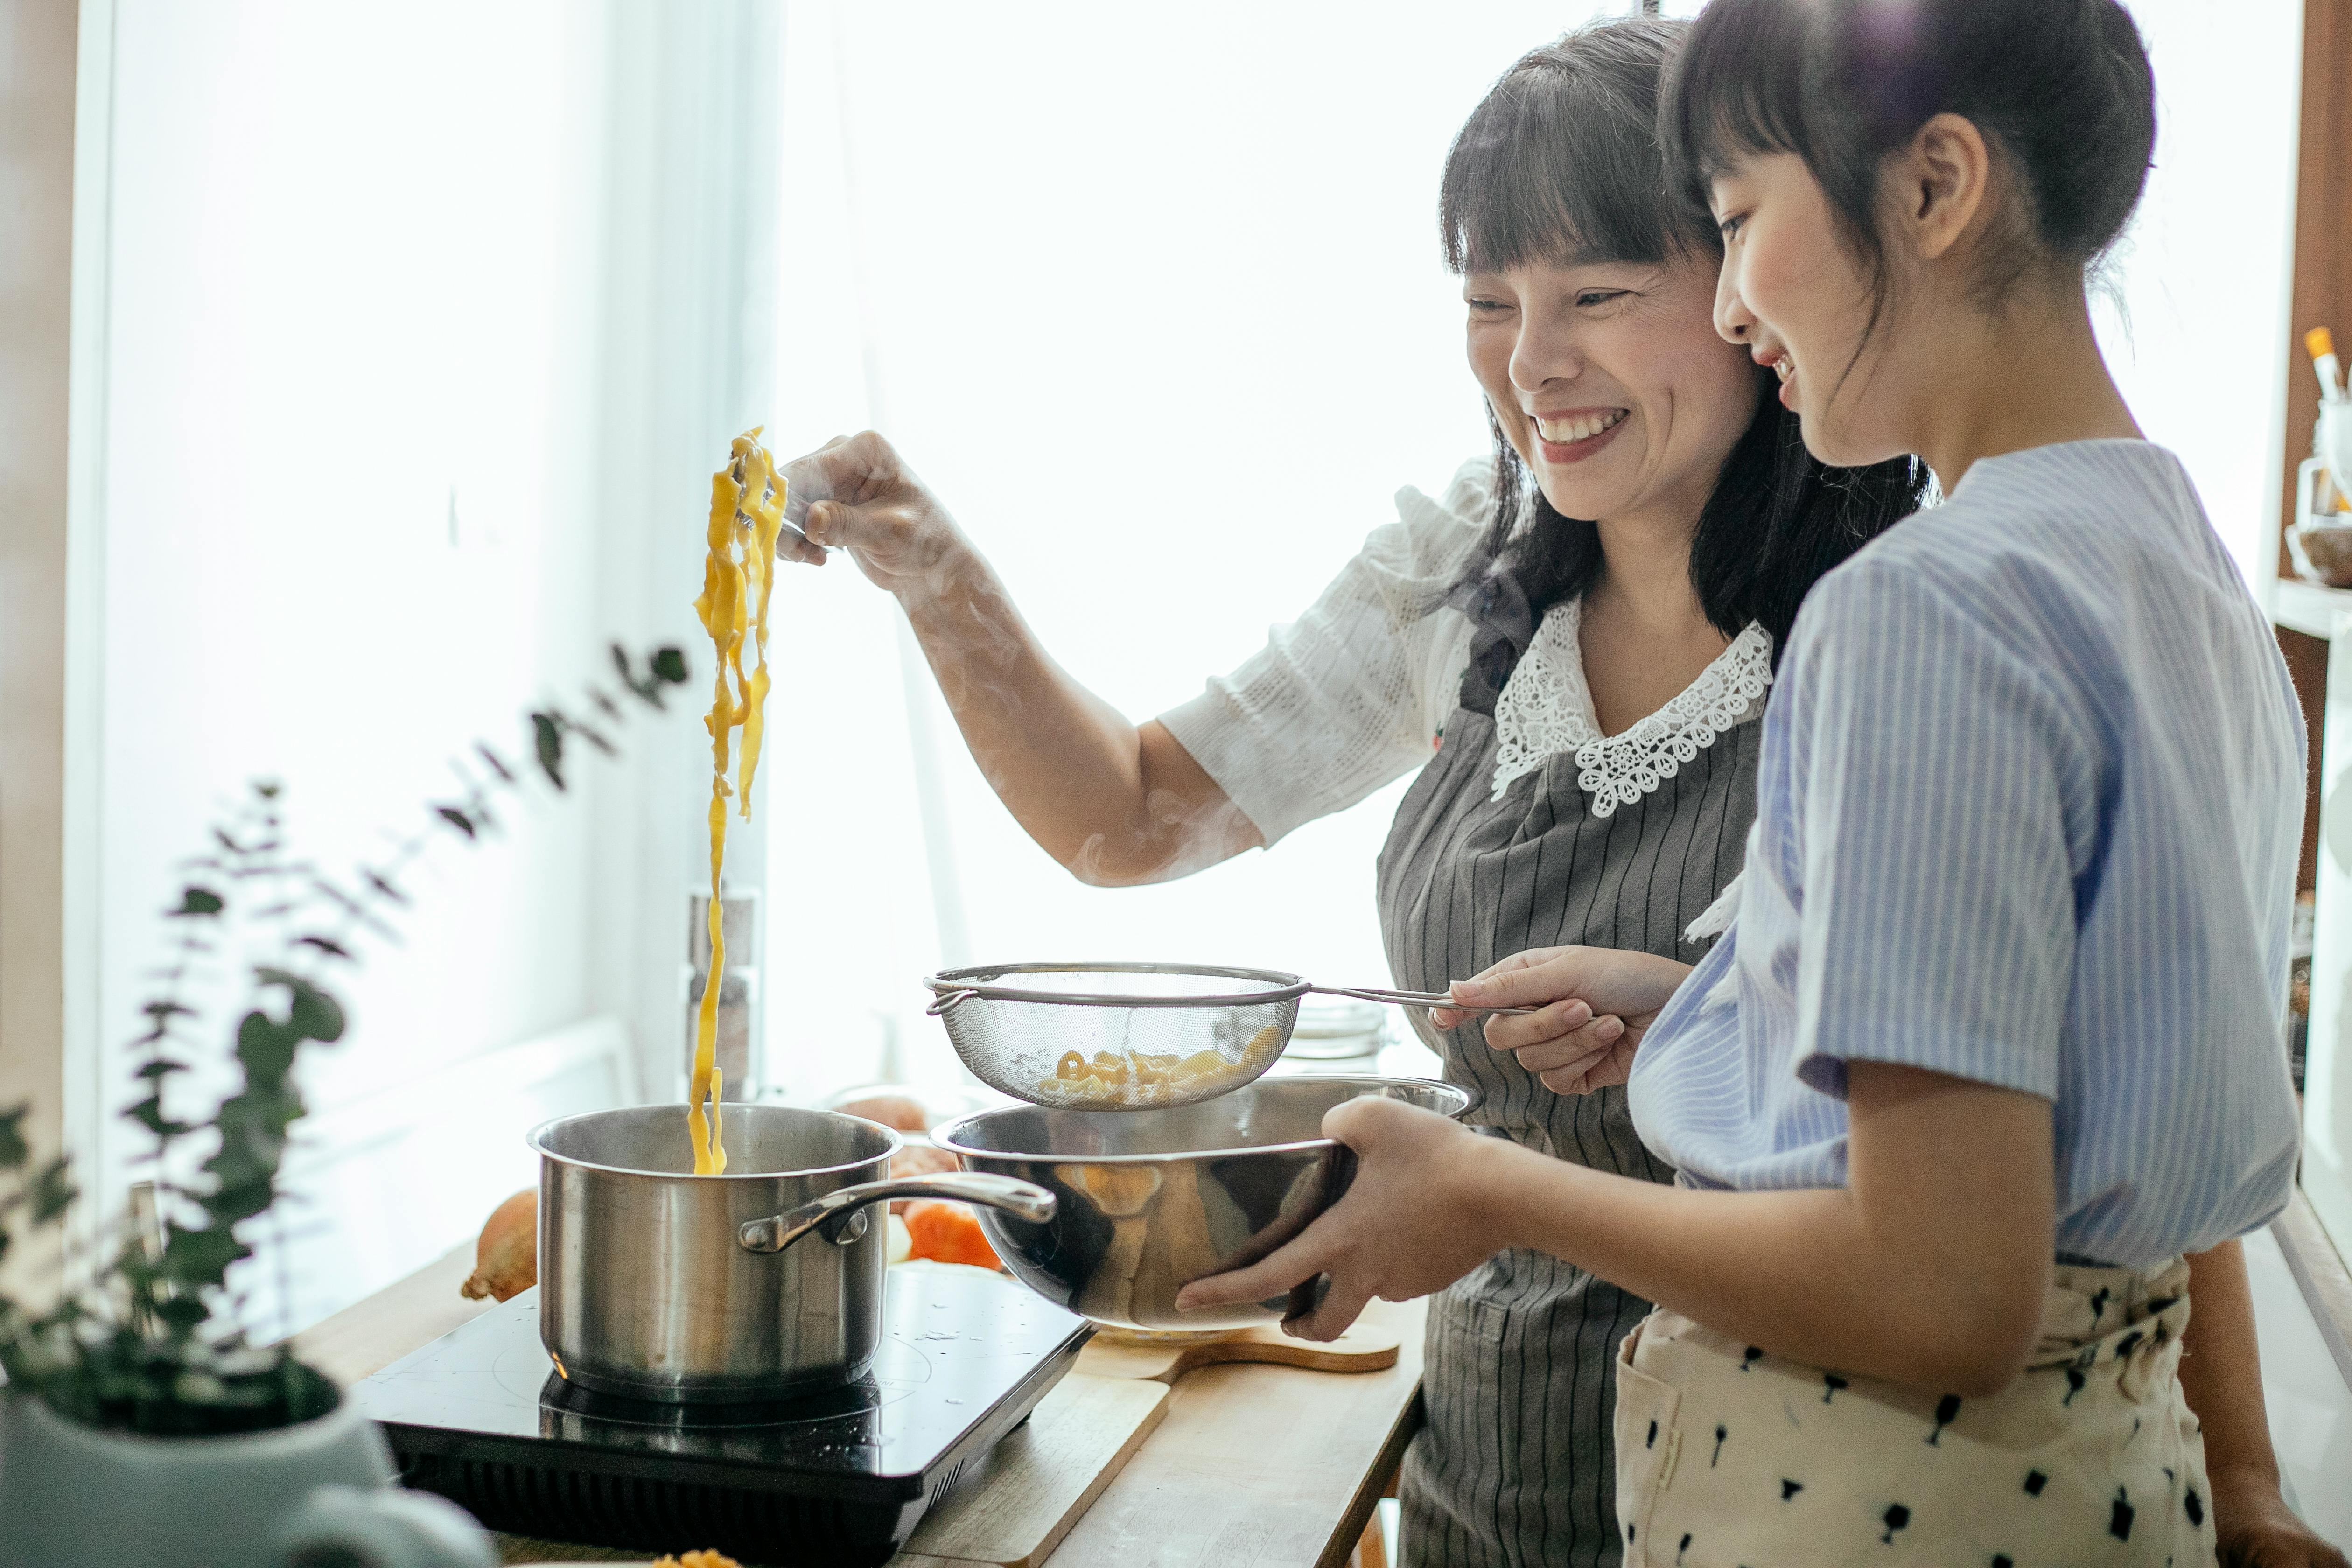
2029 813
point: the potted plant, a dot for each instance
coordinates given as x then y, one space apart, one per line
139 1423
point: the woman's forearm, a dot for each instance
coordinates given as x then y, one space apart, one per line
2221 1377
1113 802
1928 1269
2222 1370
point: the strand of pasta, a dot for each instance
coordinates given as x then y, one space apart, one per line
747 508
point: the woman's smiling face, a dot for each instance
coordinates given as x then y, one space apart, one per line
1611 382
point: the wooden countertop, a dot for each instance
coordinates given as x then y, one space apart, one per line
1254 1466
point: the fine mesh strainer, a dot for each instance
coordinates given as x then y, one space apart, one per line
1130 1036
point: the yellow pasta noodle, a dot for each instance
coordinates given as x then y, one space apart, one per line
747 511
1114 1080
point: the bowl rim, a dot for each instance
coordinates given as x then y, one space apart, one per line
942 1136
537 1140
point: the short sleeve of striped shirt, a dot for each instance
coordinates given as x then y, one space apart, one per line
1944 788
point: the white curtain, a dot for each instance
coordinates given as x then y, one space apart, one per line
427 326
1153 298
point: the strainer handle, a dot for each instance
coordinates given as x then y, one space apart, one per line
947 1002
1410 998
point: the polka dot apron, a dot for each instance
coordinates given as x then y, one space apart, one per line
1728 1457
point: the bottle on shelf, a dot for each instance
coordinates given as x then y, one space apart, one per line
2324 475
2320 540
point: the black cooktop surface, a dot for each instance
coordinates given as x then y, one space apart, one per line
480 1416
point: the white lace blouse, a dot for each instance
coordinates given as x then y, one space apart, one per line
1356 691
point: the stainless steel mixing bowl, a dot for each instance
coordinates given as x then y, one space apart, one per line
1148 1201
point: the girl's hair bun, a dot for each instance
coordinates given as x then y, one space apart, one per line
2061 88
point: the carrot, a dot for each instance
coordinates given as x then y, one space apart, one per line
948 1233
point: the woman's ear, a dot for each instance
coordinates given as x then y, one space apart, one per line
1943 184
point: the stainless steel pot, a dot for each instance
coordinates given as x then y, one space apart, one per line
763 1283
1148 1201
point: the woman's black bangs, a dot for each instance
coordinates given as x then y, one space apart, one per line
1736 87
1558 164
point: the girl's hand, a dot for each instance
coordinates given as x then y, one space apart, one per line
1415 1220
1596 1004
872 504
2253 1528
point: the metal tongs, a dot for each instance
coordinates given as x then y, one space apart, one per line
802 490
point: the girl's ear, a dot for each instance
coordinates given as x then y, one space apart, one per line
1942 181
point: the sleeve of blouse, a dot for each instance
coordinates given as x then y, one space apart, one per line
1334 706
1941 785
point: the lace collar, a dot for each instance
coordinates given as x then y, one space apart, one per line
1546 709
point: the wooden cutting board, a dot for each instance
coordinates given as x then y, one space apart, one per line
1151 1359
1014 1507
1011 1508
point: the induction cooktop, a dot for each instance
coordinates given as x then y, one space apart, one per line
481 1416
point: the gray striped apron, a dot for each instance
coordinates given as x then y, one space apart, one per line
1514 1466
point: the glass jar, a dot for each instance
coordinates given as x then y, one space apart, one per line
1338 1030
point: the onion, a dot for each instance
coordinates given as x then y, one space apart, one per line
506 1260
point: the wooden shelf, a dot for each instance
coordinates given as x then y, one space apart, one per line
2319 1269
2310 609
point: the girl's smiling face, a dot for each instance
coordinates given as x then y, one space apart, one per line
1792 295
1610 381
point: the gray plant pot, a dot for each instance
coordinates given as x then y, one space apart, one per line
317 1495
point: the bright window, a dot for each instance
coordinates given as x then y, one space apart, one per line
1154 300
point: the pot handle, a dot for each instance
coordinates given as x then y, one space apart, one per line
841 1211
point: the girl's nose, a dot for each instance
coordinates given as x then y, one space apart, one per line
1733 321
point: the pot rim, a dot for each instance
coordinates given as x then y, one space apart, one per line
944 1135
537 1139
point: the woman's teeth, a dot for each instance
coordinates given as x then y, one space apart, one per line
1784 367
1582 427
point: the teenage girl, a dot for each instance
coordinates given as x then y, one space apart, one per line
1993 1043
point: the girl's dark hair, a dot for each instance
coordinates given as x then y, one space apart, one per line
2060 88
1559 162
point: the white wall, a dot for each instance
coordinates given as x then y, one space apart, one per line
2202 336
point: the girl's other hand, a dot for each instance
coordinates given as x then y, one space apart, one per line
869 502
2253 1528
1414 1220
1595 1005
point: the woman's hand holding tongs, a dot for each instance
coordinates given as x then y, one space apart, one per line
862 497
1594 1006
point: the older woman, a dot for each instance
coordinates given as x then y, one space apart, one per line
1571 646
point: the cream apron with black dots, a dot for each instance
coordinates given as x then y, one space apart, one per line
1514 1465
1731 1458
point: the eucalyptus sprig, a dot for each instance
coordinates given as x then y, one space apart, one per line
152 1341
